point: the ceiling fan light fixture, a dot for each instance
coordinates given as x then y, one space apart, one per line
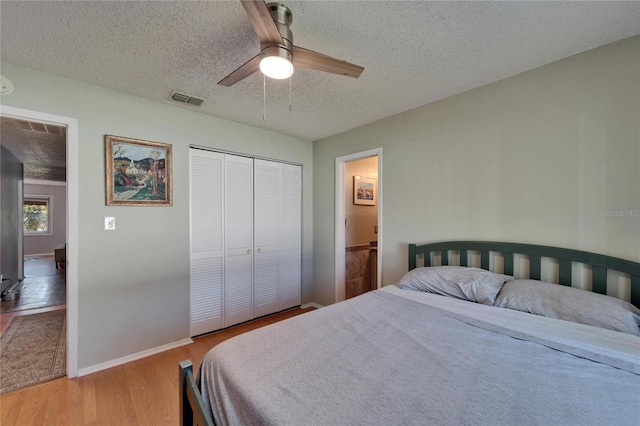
276 62
276 67
271 23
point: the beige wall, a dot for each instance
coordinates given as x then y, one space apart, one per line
134 282
537 158
361 219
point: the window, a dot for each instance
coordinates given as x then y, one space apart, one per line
36 215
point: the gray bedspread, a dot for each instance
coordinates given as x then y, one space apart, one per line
380 359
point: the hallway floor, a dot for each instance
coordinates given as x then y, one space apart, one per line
43 286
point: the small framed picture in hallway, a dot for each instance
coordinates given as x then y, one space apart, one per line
364 191
138 172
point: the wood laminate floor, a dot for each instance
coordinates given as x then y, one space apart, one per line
142 392
43 286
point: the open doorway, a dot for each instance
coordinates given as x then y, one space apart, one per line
361 226
51 255
358 231
35 155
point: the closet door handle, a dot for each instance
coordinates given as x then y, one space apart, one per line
260 250
248 251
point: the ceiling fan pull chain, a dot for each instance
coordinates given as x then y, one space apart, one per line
264 98
289 93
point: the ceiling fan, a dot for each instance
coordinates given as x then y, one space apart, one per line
278 55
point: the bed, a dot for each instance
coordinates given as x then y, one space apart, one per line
407 355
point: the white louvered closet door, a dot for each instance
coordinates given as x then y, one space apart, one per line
238 268
266 207
207 237
290 236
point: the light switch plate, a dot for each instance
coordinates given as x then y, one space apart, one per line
109 223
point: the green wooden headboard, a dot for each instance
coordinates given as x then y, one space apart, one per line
565 257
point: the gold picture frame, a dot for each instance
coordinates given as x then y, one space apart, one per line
137 172
364 191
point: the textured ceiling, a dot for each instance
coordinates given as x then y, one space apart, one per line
41 148
414 52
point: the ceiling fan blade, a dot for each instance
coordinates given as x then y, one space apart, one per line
262 21
317 61
251 66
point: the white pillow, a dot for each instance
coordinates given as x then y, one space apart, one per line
473 284
570 304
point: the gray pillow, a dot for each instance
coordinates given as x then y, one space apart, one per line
570 304
473 284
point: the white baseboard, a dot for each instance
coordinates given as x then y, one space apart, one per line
311 305
132 357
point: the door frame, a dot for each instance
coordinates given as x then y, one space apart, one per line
340 234
72 221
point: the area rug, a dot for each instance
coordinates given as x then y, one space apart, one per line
33 350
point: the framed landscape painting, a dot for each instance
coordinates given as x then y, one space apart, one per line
138 172
364 191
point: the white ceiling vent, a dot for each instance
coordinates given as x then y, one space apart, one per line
185 99
30 126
